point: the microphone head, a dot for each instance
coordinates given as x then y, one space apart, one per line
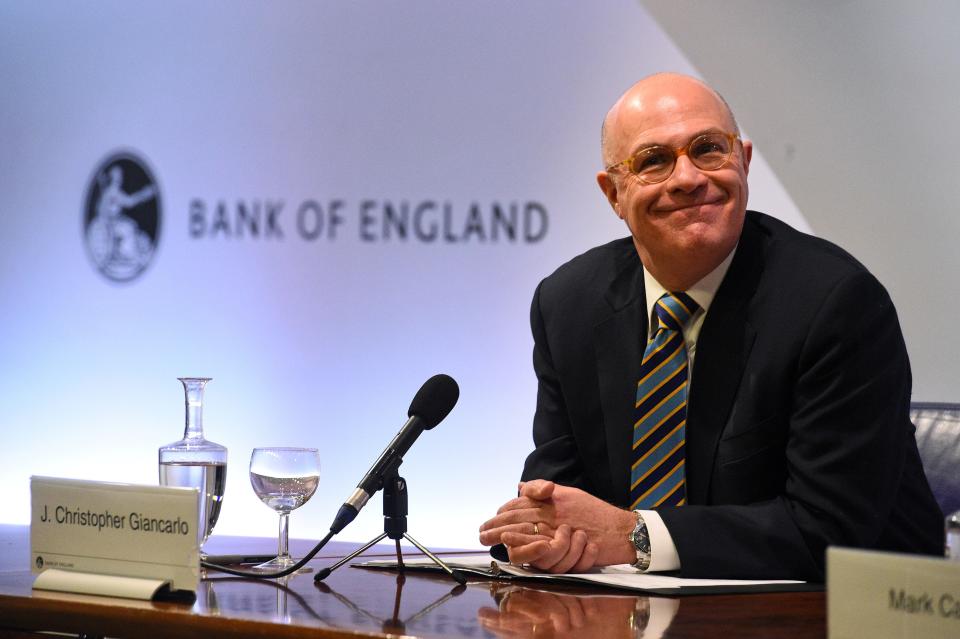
435 399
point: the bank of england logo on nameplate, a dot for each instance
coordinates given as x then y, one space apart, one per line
121 217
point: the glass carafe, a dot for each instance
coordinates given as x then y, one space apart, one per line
196 462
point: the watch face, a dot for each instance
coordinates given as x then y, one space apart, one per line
641 540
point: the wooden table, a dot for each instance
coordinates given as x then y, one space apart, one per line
363 603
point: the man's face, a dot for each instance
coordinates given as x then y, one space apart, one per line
684 226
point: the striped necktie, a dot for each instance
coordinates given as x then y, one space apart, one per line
657 476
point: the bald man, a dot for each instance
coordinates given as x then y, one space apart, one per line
718 394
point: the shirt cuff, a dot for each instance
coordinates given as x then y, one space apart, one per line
663 552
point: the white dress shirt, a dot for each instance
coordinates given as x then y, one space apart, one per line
663 552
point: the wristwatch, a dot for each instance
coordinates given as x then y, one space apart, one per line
641 543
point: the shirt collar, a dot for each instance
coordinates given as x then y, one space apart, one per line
702 292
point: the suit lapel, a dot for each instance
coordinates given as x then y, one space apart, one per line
619 340
723 347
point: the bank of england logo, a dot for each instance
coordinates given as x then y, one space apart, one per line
39 561
121 217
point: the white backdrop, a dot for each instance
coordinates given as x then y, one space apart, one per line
318 342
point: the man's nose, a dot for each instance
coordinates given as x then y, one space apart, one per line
686 177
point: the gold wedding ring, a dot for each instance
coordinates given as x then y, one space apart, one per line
536 528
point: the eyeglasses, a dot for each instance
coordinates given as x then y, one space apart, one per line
653 164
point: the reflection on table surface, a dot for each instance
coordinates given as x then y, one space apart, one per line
501 610
362 600
356 601
526 612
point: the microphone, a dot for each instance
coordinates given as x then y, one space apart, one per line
432 403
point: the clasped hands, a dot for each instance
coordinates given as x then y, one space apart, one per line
561 529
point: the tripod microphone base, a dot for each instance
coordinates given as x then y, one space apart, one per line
323 574
395 527
456 574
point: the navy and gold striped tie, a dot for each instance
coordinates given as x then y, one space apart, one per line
657 477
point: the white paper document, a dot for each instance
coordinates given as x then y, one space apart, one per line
622 576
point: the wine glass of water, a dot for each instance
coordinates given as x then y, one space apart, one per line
284 479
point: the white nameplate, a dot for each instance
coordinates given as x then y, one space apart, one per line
885 595
113 530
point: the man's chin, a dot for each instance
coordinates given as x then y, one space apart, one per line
700 239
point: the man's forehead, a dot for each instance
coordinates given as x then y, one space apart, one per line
640 102
670 105
665 106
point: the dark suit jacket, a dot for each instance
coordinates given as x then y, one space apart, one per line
798 434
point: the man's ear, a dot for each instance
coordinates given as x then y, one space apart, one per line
609 188
747 155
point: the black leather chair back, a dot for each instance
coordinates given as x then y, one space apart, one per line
938 438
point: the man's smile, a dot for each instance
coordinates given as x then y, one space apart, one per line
693 207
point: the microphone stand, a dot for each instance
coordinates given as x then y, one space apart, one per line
394 527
